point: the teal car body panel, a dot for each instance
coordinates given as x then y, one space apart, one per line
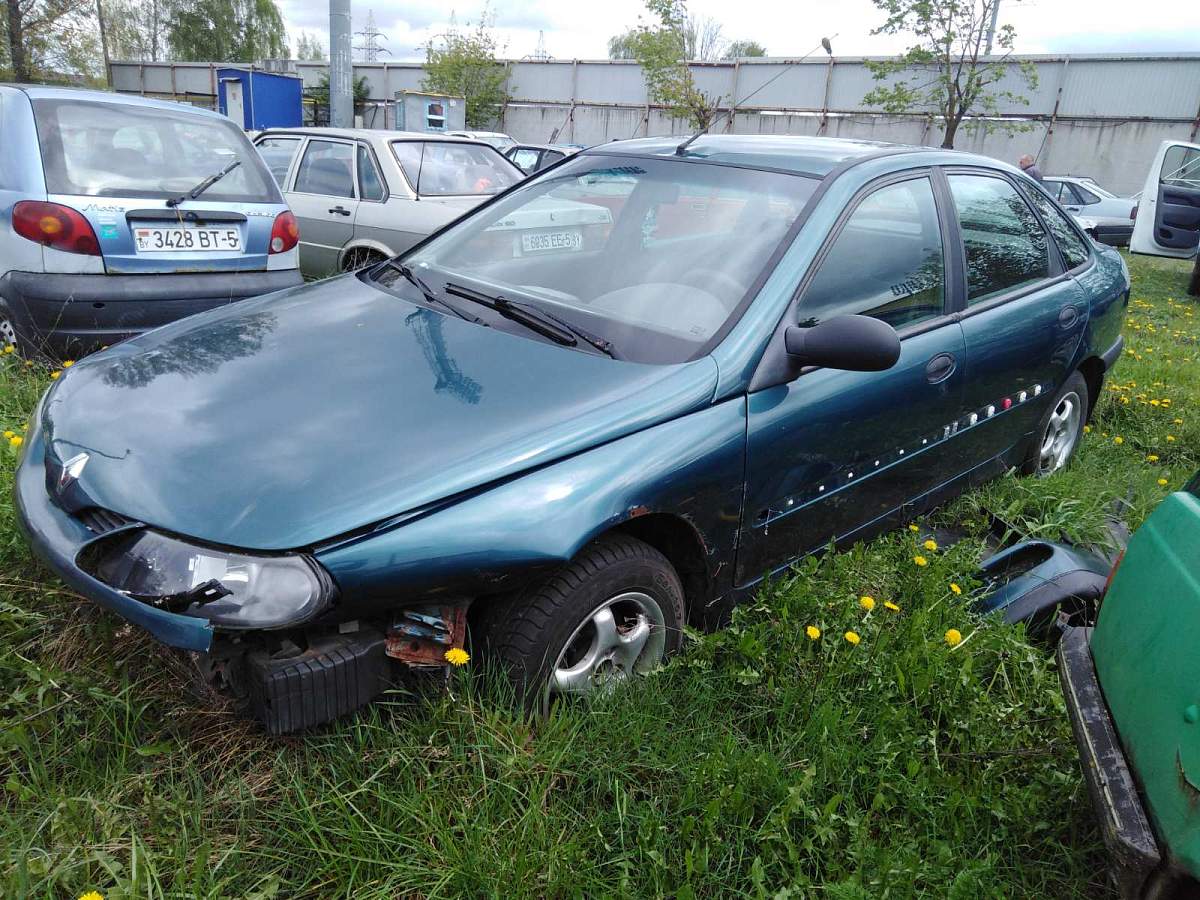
416 455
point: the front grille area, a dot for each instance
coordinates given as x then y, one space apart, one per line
101 521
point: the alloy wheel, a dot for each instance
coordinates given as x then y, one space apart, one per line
623 637
1061 435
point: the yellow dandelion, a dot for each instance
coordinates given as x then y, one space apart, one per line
1177 421
1087 429
457 656
813 632
867 603
920 560
955 589
67 363
16 440
91 895
1170 438
9 434
55 374
888 604
1118 440
852 637
28 362
913 528
930 545
953 637
9 348
1152 457
1162 482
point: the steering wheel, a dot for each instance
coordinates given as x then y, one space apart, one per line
715 282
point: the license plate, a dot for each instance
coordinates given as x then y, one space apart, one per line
569 240
168 240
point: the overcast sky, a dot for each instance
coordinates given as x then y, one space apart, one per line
574 29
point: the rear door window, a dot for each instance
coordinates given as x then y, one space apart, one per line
887 261
278 154
408 155
1181 167
1006 247
327 169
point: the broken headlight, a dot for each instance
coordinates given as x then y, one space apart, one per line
230 589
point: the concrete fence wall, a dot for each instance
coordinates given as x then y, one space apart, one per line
1102 116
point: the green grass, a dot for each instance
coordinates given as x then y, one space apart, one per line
760 763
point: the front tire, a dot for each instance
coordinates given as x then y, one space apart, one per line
614 612
1057 436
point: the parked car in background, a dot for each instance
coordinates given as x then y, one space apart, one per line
1130 688
530 158
497 139
119 214
1111 217
363 195
703 363
1168 222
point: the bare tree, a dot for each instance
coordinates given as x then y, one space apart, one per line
702 38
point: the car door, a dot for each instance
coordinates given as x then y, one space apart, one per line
1024 316
325 202
829 452
1168 218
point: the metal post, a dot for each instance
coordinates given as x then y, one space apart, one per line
825 100
341 70
733 97
992 28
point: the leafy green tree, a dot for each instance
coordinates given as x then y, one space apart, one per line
136 29
620 46
320 93
462 63
49 40
309 47
946 71
744 49
228 30
661 48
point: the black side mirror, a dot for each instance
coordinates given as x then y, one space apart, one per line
853 343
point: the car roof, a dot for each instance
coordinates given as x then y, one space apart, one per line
366 134
803 155
53 92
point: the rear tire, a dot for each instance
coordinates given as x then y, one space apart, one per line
614 612
1057 436
1193 287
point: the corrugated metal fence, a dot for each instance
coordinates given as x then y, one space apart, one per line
1101 116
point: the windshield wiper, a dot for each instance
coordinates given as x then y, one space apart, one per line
544 323
427 292
204 185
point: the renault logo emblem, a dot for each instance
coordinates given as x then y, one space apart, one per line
71 471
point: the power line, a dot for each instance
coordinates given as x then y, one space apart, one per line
369 48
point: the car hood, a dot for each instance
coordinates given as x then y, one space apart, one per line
289 419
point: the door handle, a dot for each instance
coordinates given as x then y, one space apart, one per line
1072 209
341 211
940 367
1068 317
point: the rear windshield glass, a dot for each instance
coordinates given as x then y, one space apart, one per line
445 168
119 150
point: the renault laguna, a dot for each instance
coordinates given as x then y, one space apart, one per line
554 447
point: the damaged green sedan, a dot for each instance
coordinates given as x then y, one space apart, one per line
599 407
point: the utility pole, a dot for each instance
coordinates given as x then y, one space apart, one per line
341 70
992 27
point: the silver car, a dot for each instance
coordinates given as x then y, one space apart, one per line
361 196
1109 218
